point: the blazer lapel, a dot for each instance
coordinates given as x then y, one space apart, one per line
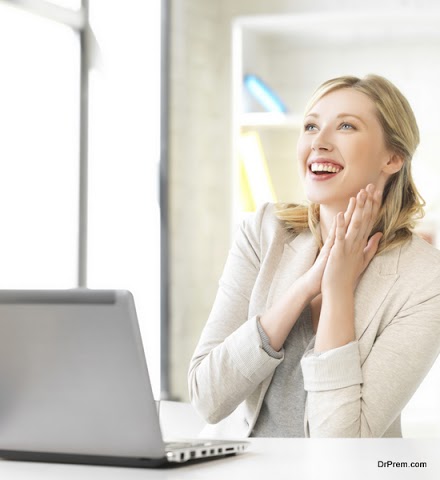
374 287
298 256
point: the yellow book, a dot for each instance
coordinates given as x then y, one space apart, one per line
256 185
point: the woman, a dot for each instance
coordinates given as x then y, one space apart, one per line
327 317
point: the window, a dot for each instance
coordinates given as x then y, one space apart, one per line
40 52
39 104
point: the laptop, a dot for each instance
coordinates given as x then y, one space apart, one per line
74 384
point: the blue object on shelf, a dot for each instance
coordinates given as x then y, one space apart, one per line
263 94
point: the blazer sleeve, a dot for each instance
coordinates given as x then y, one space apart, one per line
366 399
229 361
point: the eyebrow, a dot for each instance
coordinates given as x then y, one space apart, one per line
340 115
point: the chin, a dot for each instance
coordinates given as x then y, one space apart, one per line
323 198
319 197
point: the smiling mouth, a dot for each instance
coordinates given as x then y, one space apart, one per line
321 169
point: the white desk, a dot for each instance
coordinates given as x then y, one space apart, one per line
269 459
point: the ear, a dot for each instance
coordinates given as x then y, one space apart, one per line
394 164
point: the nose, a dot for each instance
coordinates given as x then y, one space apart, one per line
321 141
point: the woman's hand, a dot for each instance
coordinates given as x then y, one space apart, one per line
313 277
350 255
352 251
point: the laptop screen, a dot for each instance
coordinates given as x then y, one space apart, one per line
73 375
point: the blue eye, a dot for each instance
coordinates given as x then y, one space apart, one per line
308 127
347 126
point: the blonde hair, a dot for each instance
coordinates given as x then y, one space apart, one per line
402 204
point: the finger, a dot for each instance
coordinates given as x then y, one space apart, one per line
370 188
350 209
375 198
329 241
377 203
371 248
324 254
367 214
331 233
340 228
354 228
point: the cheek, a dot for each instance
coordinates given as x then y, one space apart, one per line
302 152
364 151
367 159
360 155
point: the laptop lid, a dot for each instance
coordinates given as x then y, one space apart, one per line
73 375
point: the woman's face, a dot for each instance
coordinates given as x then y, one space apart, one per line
342 148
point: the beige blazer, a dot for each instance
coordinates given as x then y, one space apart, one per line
357 390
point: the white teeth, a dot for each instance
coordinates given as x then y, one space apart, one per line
322 167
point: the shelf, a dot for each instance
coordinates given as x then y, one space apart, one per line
342 25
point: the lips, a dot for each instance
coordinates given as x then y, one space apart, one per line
323 168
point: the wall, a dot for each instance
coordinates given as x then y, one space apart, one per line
199 173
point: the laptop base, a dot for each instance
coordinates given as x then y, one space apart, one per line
100 460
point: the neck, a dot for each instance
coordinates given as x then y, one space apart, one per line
326 215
